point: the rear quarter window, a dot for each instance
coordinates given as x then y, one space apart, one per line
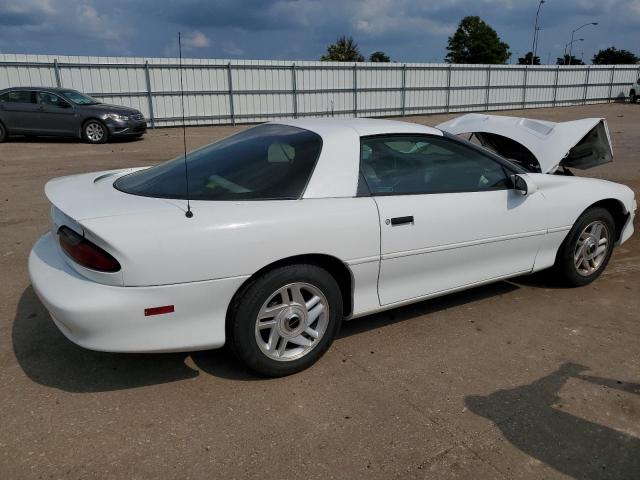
18 96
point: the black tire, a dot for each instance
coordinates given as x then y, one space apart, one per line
3 133
94 131
565 266
243 315
633 98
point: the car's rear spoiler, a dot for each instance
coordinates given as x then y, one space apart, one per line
539 145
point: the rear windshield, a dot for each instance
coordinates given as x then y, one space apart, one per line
268 162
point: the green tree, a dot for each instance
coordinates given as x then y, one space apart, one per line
526 60
344 50
379 57
566 60
613 56
476 42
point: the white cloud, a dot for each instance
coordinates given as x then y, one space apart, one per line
196 40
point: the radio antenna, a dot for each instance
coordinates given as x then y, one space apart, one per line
188 213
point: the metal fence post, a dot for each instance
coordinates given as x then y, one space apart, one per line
231 108
294 90
448 88
56 71
486 97
613 72
152 117
355 89
524 86
555 86
404 88
586 86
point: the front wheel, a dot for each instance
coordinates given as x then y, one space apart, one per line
586 251
3 133
284 321
633 98
95 132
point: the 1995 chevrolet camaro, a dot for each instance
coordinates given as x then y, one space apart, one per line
300 224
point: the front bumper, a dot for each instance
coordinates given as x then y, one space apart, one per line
126 128
110 318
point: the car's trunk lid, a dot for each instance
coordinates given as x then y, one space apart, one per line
92 195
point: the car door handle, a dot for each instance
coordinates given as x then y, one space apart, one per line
408 220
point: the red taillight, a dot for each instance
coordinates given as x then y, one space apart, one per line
86 253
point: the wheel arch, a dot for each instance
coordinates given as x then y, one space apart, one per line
617 210
336 267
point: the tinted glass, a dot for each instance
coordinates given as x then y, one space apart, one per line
424 164
19 96
261 163
79 98
46 98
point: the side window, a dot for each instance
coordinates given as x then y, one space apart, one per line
18 96
46 98
404 165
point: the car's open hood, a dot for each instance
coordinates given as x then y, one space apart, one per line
537 144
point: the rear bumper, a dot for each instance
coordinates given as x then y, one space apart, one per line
110 318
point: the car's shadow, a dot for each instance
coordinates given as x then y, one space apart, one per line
48 358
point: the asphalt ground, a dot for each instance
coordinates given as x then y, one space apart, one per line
519 379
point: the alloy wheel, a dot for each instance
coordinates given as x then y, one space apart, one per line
292 321
591 248
94 131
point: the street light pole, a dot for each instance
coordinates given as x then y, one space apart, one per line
567 45
535 32
574 31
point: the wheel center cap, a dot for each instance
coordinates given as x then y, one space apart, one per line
590 248
292 321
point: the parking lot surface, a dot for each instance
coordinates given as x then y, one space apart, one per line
519 379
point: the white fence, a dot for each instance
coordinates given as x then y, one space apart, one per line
223 91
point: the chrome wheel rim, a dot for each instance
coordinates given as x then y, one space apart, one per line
292 322
94 132
591 248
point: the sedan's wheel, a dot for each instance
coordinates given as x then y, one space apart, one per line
585 252
3 133
285 320
95 132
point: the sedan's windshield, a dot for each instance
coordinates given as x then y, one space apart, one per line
79 98
268 162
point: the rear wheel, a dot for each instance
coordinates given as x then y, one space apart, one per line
94 131
3 133
284 321
586 251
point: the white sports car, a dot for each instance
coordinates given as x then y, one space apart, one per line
298 225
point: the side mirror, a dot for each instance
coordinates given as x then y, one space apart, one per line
523 185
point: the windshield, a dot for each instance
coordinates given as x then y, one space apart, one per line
79 98
268 162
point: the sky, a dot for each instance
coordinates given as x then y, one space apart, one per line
407 30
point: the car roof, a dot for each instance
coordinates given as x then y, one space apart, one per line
362 126
44 89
